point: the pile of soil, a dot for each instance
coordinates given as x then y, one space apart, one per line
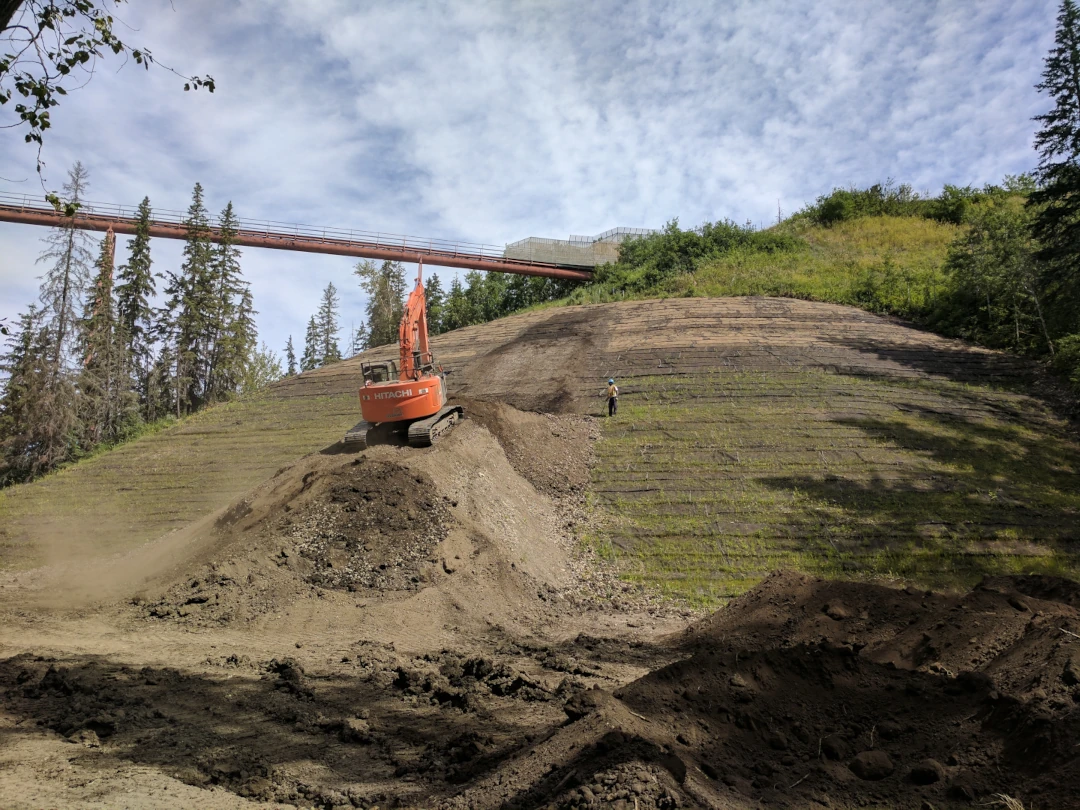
360 526
807 693
553 453
374 528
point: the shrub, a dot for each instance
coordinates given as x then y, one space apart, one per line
650 261
1067 359
955 204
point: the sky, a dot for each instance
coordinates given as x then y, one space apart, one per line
492 121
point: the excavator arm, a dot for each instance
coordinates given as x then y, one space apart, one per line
412 333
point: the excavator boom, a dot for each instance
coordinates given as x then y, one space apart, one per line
413 333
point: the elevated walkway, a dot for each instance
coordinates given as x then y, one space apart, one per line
548 258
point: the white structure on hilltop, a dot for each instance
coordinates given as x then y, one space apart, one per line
577 251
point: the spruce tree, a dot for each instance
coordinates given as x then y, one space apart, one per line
228 356
106 403
1057 201
37 408
385 287
64 283
24 366
433 293
290 359
161 394
135 288
238 345
96 369
189 306
311 358
327 325
357 339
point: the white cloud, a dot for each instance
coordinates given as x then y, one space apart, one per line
491 121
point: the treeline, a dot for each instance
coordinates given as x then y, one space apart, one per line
95 362
646 263
954 204
481 298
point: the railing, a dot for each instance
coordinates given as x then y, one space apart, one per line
272 229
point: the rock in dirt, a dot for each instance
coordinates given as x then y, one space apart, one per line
837 612
872 765
585 702
962 789
1071 674
927 772
86 737
834 748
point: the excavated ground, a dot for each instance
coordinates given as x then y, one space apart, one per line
372 628
224 621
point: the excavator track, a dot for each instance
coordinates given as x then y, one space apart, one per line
356 437
423 432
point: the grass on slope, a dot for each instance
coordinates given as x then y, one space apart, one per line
882 264
709 482
159 482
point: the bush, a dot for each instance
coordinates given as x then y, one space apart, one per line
879 200
1067 359
954 205
649 262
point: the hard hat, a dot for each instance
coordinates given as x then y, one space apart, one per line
611 381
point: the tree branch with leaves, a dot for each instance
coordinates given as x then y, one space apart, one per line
48 48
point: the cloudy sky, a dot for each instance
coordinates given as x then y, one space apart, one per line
492 121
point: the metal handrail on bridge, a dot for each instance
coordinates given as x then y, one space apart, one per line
96 216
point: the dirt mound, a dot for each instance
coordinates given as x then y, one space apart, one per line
378 524
810 693
554 453
391 522
361 526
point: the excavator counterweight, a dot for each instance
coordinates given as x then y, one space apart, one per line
409 392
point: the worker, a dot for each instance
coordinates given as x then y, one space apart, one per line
612 397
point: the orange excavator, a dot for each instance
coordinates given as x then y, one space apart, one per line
410 393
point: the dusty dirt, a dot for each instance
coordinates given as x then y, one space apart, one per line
418 629
361 629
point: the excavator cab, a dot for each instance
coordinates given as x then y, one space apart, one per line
424 363
411 392
380 371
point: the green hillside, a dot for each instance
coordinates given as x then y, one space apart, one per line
885 264
882 264
712 480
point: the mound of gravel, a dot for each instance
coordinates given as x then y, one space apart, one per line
374 528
